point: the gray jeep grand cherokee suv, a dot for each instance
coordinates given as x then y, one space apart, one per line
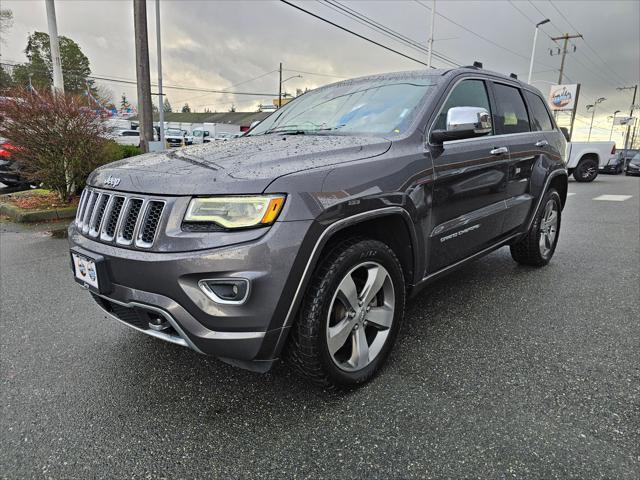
304 238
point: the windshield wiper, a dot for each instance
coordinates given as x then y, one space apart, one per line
296 130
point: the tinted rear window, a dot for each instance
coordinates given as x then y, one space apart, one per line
511 115
540 119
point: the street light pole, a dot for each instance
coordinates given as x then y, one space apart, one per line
280 85
533 50
593 114
613 122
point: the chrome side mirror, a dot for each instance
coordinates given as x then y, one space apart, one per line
464 122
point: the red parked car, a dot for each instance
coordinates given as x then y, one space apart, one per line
9 174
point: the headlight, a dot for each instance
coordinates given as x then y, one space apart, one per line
236 211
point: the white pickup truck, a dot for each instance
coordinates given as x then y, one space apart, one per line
586 157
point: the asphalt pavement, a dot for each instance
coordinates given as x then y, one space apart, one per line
500 371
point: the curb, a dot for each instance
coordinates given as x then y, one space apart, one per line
29 216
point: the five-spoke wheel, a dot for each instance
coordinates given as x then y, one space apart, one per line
360 316
548 228
350 314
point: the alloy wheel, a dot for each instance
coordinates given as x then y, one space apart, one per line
548 228
360 316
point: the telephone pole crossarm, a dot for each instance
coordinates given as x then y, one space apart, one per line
566 37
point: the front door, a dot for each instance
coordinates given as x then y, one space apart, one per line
471 177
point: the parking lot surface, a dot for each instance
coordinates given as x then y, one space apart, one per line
500 371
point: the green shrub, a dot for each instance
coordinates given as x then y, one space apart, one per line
130 150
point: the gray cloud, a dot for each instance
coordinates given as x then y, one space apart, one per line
216 44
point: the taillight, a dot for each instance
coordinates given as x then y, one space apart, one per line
613 150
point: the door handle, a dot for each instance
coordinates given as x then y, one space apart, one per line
542 143
499 151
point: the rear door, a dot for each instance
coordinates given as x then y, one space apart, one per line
525 148
469 186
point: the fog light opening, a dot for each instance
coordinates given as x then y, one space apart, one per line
234 291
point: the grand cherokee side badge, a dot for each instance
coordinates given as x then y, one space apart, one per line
111 181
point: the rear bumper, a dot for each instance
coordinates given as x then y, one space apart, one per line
143 283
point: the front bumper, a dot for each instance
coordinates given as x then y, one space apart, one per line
632 171
144 283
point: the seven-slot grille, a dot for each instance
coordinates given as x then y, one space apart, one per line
114 217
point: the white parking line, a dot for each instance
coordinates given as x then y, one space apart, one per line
613 198
570 194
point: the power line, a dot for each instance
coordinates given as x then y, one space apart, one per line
524 14
386 31
482 37
314 73
115 79
188 89
586 42
353 33
233 85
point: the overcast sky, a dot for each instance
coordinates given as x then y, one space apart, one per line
223 43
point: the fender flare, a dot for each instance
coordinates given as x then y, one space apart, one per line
322 240
551 176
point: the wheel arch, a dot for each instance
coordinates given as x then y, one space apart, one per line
391 229
557 179
380 223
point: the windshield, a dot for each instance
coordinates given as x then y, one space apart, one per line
636 159
379 106
174 131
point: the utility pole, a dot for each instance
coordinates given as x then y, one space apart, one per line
280 88
633 104
159 54
430 40
566 37
58 82
145 110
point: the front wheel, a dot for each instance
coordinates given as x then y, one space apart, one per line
586 171
539 245
350 315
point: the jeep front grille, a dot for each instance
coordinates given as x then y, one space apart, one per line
117 218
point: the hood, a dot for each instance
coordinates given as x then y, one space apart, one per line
243 165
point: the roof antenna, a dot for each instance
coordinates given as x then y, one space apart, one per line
477 64
513 75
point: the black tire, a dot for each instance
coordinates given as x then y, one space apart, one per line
587 170
308 348
528 250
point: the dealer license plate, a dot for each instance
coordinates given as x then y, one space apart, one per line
86 271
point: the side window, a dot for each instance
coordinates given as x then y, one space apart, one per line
511 115
468 93
541 120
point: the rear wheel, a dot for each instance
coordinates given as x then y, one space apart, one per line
587 170
537 248
350 315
